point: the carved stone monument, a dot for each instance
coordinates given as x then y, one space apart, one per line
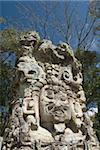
48 109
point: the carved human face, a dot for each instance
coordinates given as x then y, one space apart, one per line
54 105
30 68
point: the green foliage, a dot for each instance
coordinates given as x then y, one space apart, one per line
6 77
91 73
2 20
94 8
6 81
9 40
94 11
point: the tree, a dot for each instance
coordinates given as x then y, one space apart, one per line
91 84
67 25
94 8
94 12
8 49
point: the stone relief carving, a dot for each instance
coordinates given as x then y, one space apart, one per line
48 113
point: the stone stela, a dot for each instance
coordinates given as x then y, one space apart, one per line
48 108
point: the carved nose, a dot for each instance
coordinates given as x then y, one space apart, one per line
57 104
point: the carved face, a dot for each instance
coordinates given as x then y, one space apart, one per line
54 105
30 68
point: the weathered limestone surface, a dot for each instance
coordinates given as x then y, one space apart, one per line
48 109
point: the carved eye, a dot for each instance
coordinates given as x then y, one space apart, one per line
21 64
55 91
32 72
21 61
75 78
56 75
63 98
78 96
50 106
66 108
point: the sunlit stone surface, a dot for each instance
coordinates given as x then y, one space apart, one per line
49 102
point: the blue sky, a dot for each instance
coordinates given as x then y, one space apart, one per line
10 10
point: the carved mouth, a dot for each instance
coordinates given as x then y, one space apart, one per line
58 114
